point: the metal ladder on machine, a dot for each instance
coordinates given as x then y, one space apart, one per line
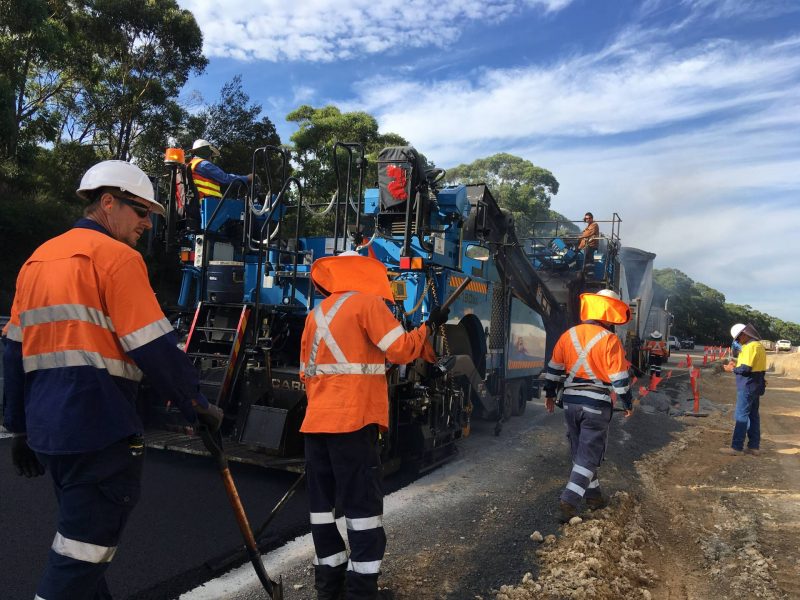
214 344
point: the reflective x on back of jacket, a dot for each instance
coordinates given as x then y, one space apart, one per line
343 353
590 361
657 347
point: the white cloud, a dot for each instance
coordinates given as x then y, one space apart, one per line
633 88
698 149
327 30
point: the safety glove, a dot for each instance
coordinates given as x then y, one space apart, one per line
24 459
210 416
437 316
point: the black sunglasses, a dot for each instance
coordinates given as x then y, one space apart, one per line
141 210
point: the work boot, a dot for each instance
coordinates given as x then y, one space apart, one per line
753 451
385 594
567 511
329 582
362 586
596 502
728 451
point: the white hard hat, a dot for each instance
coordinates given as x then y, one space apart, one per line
123 175
656 334
349 253
737 329
609 294
201 143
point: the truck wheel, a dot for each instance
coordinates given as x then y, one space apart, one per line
520 401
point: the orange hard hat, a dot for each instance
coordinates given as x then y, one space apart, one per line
605 306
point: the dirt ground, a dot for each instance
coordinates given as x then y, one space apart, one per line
684 522
700 525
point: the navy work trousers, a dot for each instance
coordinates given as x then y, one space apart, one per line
346 467
96 492
655 364
587 432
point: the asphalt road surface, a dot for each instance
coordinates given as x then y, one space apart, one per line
182 522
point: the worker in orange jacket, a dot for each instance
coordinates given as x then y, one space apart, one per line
344 348
85 327
588 363
656 349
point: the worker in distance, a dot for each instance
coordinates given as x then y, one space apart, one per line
587 364
751 383
208 178
85 327
346 342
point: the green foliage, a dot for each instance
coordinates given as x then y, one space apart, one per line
81 81
144 53
518 185
702 312
26 223
233 125
318 130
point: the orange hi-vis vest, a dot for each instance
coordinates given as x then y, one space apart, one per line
205 186
590 361
83 305
657 347
343 352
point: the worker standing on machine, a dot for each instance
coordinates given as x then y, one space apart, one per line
344 348
589 362
208 178
656 349
85 325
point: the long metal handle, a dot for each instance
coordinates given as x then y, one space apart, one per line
274 589
213 443
457 292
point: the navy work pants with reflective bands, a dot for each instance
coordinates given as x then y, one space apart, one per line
96 492
587 432
346 467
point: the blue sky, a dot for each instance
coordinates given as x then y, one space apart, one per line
680 115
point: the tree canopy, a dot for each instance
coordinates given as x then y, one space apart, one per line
318 130
702 312
518 185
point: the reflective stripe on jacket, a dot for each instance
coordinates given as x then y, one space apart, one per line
590 362
205 186
657 347
344 348
84 323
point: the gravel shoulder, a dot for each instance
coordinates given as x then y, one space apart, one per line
696 524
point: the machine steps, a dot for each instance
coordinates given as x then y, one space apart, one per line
236 452
214 343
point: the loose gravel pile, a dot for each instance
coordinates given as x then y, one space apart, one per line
598 558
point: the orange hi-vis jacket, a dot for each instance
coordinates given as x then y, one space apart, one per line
590 362
657 347
85 324
205 186
347 339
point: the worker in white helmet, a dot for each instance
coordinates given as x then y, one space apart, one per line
85 327
588 363
750 369
656 349
208 178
